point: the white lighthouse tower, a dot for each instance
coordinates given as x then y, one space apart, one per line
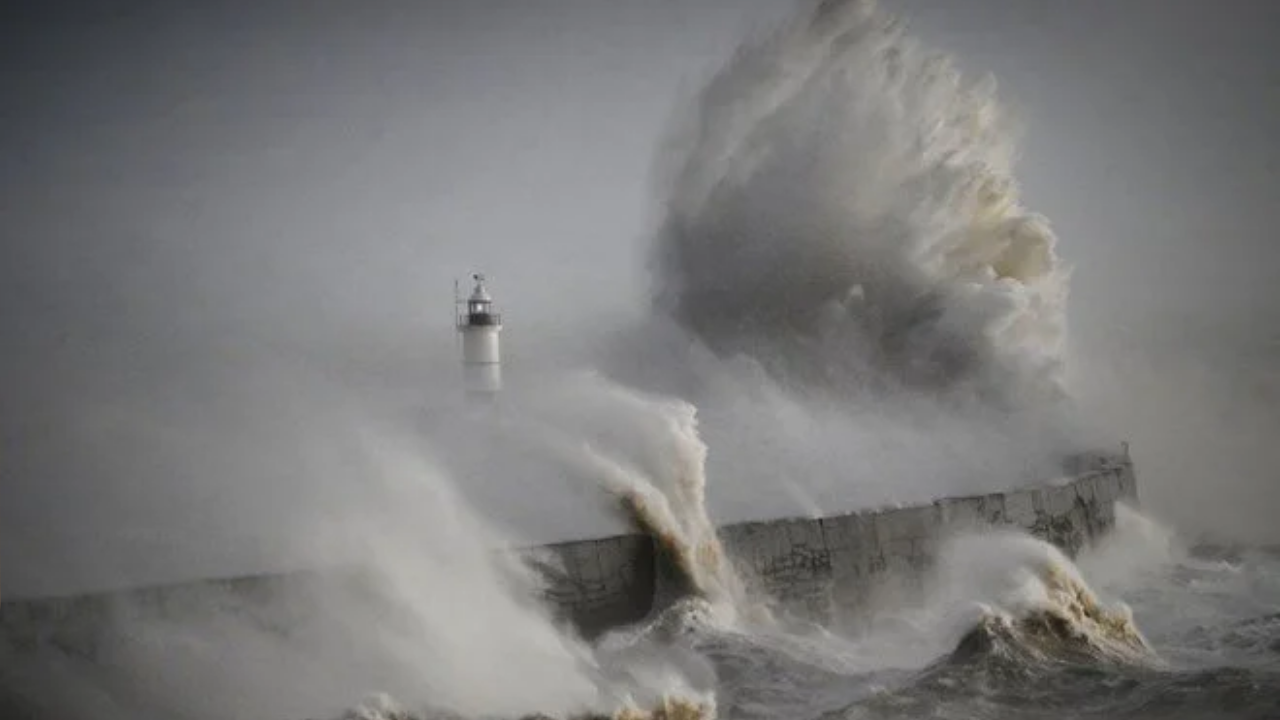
479 323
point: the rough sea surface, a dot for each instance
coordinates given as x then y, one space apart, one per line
1210 619
1139 627
1164 632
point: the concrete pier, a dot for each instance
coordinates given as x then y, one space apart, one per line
814 566
820 567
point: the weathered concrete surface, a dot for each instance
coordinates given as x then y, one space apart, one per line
808 565
599 584
813 566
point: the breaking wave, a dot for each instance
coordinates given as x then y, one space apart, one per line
841 208
1076 628
646 452
1034 606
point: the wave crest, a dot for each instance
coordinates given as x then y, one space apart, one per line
1042 609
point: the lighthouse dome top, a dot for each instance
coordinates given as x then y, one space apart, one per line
480 293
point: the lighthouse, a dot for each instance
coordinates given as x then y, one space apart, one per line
479 324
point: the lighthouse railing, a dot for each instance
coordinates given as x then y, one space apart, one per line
487 319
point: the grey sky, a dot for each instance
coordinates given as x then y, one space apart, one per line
208 213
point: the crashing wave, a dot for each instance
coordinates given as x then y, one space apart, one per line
1051 614
646 451
843 210
1050 635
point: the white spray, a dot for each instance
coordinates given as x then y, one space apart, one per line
842 209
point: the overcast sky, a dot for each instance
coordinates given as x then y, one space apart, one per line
203 209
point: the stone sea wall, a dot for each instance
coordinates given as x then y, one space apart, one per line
815 566
830 566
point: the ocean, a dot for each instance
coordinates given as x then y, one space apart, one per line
1143 626
1140 625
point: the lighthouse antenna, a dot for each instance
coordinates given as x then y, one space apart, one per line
456 316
